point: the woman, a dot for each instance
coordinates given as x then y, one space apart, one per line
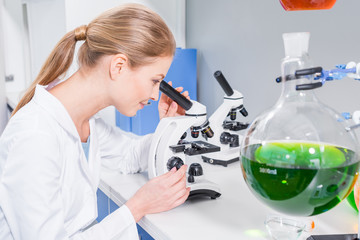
48 180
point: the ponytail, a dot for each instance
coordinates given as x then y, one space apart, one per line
56 65
131 29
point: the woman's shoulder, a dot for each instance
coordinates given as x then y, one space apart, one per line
31 118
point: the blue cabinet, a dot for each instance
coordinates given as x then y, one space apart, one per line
103 205
107 206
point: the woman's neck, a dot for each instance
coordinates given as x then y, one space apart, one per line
82 95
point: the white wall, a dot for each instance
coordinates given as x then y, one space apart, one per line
243 39
46 21
172 11
3 111
50 20
14 50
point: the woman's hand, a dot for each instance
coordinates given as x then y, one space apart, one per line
160 194
169 108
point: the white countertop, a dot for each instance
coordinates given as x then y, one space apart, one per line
237 214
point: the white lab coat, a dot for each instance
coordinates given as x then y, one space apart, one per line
48 188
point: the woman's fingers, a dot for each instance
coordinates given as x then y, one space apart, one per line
160 194
179 89
174 177
169 108
182 198
173 108
178 189
178 192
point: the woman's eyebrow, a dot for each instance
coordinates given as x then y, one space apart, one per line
160 75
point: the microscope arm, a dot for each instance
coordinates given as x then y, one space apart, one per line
229 103
168 132
232 99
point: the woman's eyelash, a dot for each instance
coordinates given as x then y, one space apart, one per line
156 81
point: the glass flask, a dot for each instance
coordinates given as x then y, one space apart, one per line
296 5
297 157
353 198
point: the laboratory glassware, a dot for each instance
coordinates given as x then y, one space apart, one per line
296 5
284 228
298 157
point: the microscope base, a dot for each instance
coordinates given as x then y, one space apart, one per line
219 162
334 237
204 193
203 188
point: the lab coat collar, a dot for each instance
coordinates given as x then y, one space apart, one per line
56 109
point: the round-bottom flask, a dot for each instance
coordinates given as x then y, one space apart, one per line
297 157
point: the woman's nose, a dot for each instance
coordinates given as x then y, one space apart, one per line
155 94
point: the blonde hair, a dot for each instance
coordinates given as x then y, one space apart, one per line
131 29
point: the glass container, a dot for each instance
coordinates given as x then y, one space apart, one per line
297 157
296 5
280 228
353 198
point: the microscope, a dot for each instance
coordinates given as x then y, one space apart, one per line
169 148
225 127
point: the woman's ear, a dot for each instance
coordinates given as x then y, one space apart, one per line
117 64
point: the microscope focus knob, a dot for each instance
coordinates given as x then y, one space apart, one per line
174 162
195 169
225 138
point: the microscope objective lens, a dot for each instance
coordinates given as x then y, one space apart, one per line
208 132
195 134
232 115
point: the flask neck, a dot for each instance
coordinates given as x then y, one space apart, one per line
289 66
290 94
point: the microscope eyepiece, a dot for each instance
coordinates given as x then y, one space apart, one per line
175 95
223 83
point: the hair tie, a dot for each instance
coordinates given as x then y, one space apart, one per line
80 33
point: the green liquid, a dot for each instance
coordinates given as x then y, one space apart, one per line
351 201
297 178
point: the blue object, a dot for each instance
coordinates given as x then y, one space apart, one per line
102 204
107 206
335 74
346 115
85 147
182 72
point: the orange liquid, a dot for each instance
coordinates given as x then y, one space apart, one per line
296 5
356 194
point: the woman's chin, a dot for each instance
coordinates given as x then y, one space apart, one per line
128 113
131 114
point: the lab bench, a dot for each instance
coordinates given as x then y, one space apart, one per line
236 214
